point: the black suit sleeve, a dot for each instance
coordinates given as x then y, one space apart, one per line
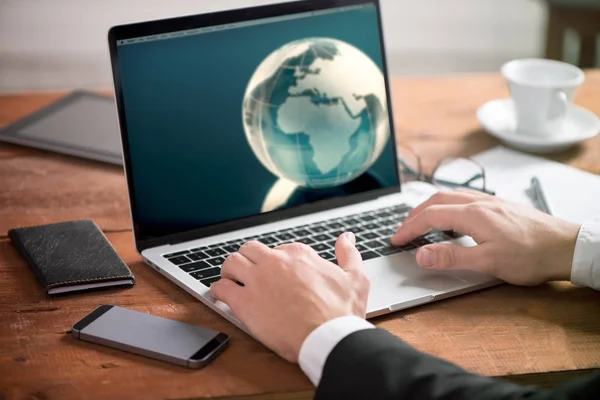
374 364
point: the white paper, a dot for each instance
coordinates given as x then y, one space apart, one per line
573 194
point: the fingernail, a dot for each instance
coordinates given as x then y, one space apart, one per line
426 258
350 236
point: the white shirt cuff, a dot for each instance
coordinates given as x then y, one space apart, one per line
586 259
320 343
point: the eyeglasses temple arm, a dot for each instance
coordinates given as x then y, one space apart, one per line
463 185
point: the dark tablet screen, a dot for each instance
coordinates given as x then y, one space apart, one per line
82 124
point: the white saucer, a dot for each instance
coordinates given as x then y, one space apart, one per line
498 118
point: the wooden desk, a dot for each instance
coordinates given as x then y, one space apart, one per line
534 335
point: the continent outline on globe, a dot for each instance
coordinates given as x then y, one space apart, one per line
315 112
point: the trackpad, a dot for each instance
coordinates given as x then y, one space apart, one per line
434 281
399 280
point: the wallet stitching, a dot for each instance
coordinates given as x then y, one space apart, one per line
90 280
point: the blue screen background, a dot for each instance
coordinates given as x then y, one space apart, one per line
191 163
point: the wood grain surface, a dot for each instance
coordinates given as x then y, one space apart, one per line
531 335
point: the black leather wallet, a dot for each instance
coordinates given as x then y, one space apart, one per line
71 256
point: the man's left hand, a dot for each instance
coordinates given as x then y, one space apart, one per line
289 291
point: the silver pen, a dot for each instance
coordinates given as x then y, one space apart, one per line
540 196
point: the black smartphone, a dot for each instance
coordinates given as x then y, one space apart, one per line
147 335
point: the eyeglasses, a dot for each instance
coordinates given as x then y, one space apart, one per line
449 172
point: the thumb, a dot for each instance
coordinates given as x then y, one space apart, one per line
449 256
348 256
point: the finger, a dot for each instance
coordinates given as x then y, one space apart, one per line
477 193
254 251
284 246
237 268
348 256
442 217
227 291
443 256
440 198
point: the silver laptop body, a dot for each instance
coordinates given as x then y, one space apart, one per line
185 124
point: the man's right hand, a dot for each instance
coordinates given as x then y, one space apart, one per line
517 244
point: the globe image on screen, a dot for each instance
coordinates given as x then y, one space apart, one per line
315 112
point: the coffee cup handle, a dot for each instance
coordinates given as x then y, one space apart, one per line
558 108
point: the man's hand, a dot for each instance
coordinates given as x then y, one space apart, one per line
289 291
517 244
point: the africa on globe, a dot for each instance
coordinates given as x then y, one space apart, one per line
315 112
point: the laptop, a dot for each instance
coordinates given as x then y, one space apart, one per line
273 124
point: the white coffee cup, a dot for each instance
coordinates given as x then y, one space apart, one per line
542 91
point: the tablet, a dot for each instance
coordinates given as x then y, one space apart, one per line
82 124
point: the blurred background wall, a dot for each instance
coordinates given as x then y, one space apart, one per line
57 44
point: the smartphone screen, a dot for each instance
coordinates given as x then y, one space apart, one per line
151 336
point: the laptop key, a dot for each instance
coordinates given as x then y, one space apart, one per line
178 253
206 273
351 221
321 238
327 255
195 266
285 236
317 228
388 223
179 260
386 232
361 248
268 240
371 226
210 281
301 232
374 244
408 247
400 209
367 218
216 261
320 247
369 235
386 251
197 256
336 234
215 252
420 241
356 229
305 240
232 248
368 255
331 244
334 225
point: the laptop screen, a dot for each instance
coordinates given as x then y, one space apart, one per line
234 120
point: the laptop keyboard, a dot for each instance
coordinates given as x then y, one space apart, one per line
372 229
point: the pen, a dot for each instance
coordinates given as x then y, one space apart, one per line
540 196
